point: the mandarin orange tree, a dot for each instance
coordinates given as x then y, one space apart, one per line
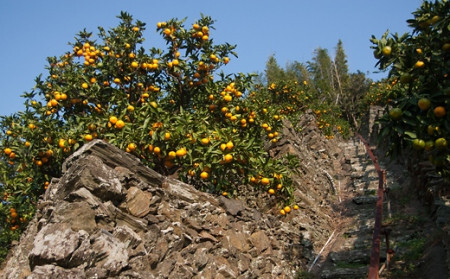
420 61
171 108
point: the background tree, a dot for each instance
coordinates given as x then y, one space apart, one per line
341 79
321 70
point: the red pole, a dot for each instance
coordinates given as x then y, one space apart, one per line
375 253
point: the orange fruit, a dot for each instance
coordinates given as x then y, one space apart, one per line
287 209
157 150
419 64
439 111
113 120
418 144
227 98
230 145
223 146
120 124
446 47
7 150
88 137
387 51
167 136
172 155
265 181
204 175
296 207
226 60
282 212
441 143
84 85
132 146
271 191
181 152
204 141
395 113
406 78
429 145
228 158
424 104
62 143
134 64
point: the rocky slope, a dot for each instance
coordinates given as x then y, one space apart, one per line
109 216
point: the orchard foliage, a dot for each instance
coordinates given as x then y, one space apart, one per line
172 108
419 64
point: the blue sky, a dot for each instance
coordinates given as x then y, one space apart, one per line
289 29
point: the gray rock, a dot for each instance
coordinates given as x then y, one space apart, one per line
55 243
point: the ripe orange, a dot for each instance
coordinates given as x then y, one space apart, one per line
135 29
287 209
282 212
134 64
223 146
120 124
84 85
228 158
157 150
226 60
88 137
167 136
439 111
227 98
132 146
62 143
204 141
419 64
271 191
7 150
172 155
265 181
296 207
181 152
204 175
424 104
113 120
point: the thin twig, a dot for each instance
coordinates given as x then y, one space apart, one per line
323 248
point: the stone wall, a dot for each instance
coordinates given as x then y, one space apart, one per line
109 216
